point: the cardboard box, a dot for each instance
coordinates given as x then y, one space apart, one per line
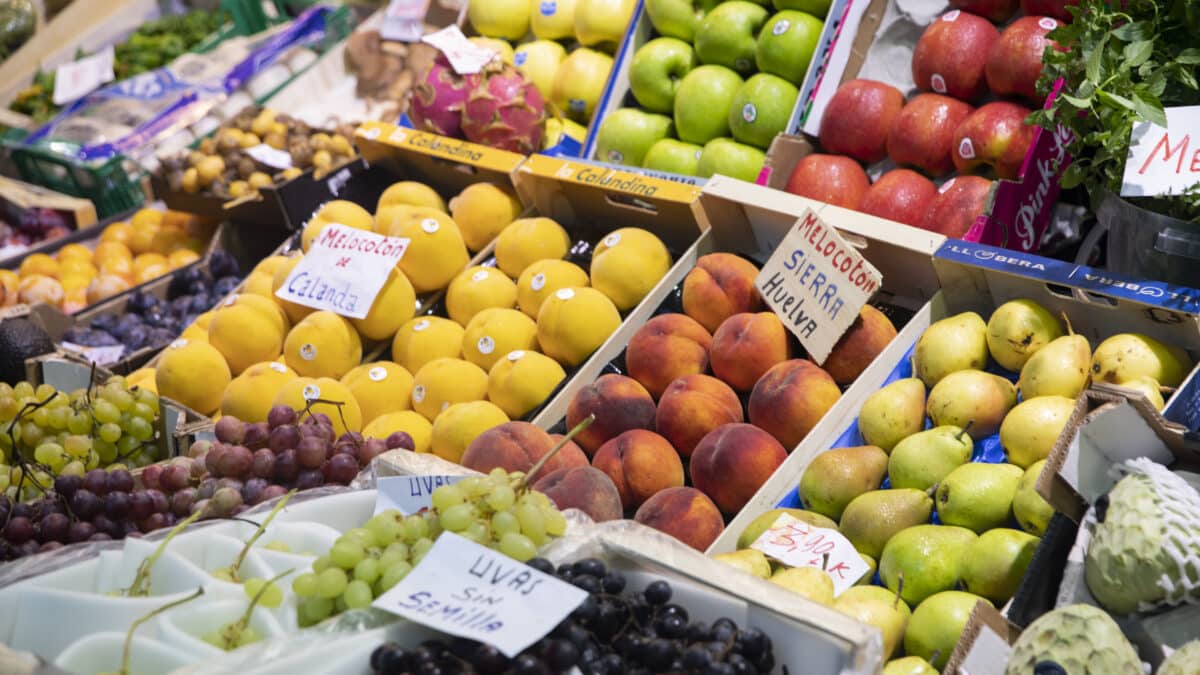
22 202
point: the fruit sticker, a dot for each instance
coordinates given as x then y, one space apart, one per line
749 112
308 351
538 282
612 240
377 374
616 156
781 27
420 325
429 225
798 544
419 393
486 345
577 105
966 149
548 7
1047 23
479 275
937 83
311 392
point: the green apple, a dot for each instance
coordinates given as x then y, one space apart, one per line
730 158
761 109
678 18
787 43
818 8
508 19
580 81
539 60
552 19
702 103
656 70
673 156
626 135
601 22
726 36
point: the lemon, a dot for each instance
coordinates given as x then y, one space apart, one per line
249 396
272 311
387 217
436 253
443 382
323 344
409 422
244 336
194 374
529 240
482 211
523 380
574 322
337 211
424 339
294 311
297 394
544 277
381 387
395 304
493 333
459 424
477 289
411 193
627 265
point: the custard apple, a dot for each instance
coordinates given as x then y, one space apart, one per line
1083 639
1145 551
1183 661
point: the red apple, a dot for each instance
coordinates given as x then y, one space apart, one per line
1015 63
955 209
858 118
900 195
995 135
951 54
923 134
832 179
1054 8
996 11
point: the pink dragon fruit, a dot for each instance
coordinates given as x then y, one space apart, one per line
504 110
438 99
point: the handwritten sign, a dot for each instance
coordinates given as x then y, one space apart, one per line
408 494
465 57
798 544
101 356
79 78
343 271
1163 161
276 159
471 591
817 283
404 20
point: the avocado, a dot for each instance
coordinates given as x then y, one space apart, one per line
20 339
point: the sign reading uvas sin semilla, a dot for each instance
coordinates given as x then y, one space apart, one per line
343 271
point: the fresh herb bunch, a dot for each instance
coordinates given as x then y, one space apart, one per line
1121 64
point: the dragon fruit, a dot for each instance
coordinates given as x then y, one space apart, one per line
438 100
504 110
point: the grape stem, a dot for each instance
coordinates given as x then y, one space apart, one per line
235 629
523 483
141 581
312 401
18 458
125 653
237 563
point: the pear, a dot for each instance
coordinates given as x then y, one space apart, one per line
1031 511
1147 386
971 399
1030 430
812 583
836 477
937 624
749 560
927 558
996 562
924 459
876 607
1017 330
978 496
1123 357
868 578
909 665
893 413
955 343
872 518
1058 369
764 522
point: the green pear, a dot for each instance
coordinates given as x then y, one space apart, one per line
971 399
1123 357
924 459
893 413
764 522
909 665
955 343
1030 430
937 624
878 607
874 517
834 478
978 496
1017 330
923 560
749 560
1031 511
1147 386
812 583
996 562
868 578
1061 368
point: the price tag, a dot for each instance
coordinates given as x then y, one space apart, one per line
79 78
1163 161
343 271
464 56
817 283
408 494
404 20
101 356
471 591
272 157
798 544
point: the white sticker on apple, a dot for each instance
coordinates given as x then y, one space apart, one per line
937 83
1047 23
486 345
549 7
538 282
966 149
430 225
952 15
749 112
519 58
479 275
615 156
781 27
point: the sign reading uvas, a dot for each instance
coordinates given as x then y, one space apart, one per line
817 283
343 271
1164 161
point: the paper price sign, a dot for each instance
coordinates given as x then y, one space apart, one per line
408 494
798 544
464 56
101 356
404 20
343 271
1163 161
276 159
78 78
817 283
471 591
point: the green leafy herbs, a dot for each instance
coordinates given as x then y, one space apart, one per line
1120 68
